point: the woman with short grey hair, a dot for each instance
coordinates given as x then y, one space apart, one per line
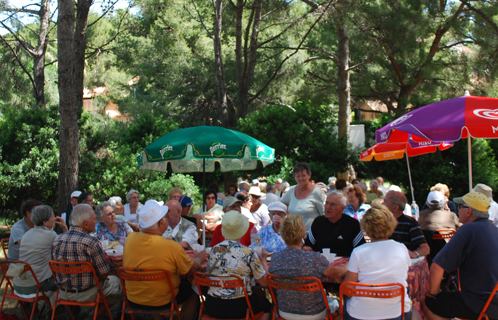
132 207
36 246
109 228
117 204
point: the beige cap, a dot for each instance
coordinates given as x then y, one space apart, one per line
485 190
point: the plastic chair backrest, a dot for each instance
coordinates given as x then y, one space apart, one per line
4 266
441 234
78 267
130 274
5 246
231 281
301 284
386 291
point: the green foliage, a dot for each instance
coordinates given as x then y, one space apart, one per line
304 134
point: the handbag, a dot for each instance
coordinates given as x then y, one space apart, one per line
16 270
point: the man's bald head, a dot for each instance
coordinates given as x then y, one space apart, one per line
174 212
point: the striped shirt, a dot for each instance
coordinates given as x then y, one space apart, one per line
77 245
409 233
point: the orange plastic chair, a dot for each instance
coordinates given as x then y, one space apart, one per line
130 274
488 302
5 246
441 234
231 281
59 267
301 284
40 294
387 291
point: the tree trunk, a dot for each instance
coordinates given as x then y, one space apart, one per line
39 55
343 85
83 9
246 57
218 59
68 139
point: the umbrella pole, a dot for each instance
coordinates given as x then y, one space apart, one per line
409 175
469 145
204 202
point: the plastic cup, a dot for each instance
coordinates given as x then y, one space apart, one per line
326 251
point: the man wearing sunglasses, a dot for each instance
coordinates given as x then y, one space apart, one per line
472 250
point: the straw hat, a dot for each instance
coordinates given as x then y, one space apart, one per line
256 191
234 225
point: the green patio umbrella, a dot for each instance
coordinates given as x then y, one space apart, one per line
197 149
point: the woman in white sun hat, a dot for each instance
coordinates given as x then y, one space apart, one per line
259 210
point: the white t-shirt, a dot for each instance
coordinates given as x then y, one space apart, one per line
132 217
379 262
308 208
493 213
270 197
262 216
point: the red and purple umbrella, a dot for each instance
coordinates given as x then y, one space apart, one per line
448 120
391 151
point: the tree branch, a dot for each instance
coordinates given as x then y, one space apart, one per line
287 58
19 61
482 14
318 77
104 13
366 61
21 10
210 35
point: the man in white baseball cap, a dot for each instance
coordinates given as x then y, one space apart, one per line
149 250
493 209
270 235
73 203
435 217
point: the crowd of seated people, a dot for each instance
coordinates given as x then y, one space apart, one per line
294 229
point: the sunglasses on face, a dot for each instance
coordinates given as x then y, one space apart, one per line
256 197
210 198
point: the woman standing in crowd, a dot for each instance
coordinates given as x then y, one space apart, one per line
305 199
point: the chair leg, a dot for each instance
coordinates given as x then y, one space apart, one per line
70 312
34 308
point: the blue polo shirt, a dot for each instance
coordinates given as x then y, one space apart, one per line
474 249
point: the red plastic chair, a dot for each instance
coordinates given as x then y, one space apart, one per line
386 291
441 234
5 246
40 294
130 274
74 268
301 284
231 281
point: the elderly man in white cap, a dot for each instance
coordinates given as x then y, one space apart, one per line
66 216
270 235
435 217
149 250
180 229
472 250
493 209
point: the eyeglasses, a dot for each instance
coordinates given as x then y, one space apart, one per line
256 197
210 198
463 206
